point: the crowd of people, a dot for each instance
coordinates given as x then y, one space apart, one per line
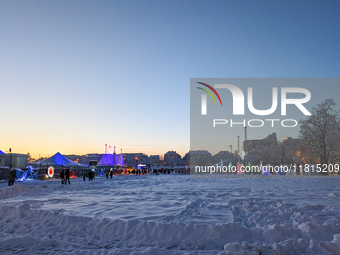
65 176
66 173
91 175
107 173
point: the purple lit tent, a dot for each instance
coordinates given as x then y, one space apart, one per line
1 152
111 159
58 160
119 159
107 159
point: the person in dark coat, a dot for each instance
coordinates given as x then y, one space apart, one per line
62 176
91 175
67 175
111 173
107 174
11 177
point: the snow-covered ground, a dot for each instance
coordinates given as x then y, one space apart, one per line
172 214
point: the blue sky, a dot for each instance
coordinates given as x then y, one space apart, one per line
75 75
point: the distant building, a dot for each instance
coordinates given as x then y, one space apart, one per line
131 159
199 157
257 144
154 160
75 158
92 158
224 155
39 160
17 160
292 143
172 158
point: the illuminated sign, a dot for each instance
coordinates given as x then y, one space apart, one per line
50 171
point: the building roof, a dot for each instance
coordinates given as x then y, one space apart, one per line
58 160
170 153
198 152
223 152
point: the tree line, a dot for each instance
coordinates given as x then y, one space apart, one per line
319 140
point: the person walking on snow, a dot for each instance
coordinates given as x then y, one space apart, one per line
62 176
11 177
67 175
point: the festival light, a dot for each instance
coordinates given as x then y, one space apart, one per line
50 171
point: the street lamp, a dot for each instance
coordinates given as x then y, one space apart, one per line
137 170
10 158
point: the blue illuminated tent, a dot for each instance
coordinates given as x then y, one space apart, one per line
58 160
1 152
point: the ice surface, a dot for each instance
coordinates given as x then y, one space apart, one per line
172 214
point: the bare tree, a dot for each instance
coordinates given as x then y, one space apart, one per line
305 155
320 132
29 157
285 151
161 160
281 154
335 153
269 155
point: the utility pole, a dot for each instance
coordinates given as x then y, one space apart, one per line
238 148
10 158
245 146
105 154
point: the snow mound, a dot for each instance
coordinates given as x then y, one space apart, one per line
171 215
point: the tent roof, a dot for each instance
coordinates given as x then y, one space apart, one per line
110 159
107 159
58 160
1 152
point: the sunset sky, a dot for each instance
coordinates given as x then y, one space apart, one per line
76 75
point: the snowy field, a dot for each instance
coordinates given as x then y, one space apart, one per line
172 214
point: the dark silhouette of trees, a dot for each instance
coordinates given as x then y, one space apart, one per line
320 132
